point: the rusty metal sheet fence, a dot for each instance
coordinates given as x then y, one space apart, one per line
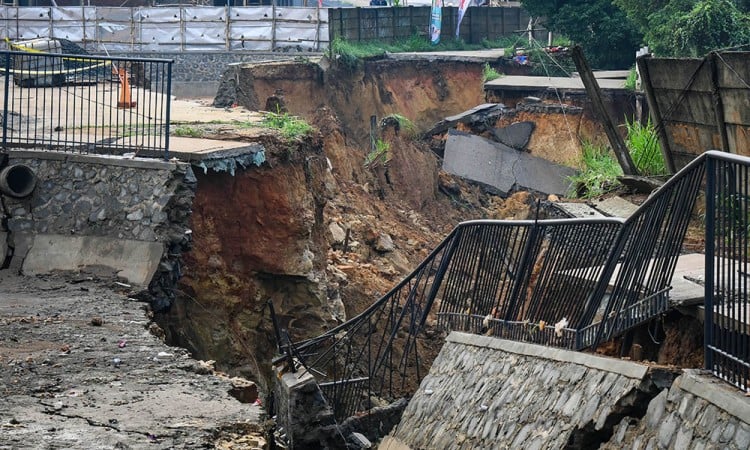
104 29
86 104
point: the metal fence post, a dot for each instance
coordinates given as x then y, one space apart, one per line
5 100
168 110
708 302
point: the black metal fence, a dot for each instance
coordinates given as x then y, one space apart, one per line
86 104
727 311
392 24
569 283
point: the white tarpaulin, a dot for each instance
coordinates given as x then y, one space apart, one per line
170 28
293 33
216 14
256 13
157 15
202 36
75 13
28 13
241 32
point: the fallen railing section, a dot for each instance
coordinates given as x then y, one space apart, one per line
85 104
571 283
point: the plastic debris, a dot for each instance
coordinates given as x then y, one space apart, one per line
559 326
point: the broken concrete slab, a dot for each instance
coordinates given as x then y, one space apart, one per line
136 261
644 185
516 135
502 167
615 207
578 210
475 114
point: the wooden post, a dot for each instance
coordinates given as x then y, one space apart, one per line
721 124
655 113
592 89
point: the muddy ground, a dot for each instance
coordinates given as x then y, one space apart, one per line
82 366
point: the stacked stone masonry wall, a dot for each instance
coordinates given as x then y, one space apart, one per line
102 196
483 392
697 412
478 396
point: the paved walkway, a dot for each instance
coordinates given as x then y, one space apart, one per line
81 368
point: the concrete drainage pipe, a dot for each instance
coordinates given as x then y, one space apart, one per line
17 181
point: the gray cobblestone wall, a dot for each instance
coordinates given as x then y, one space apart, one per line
481 393
696 412
131 199
198 73
99 196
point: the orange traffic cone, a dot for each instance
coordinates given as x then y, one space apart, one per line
125 99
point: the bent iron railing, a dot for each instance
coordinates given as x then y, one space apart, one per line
727 311
86 104
570 283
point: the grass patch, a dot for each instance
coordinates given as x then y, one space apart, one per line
349 53
489 73
644 148
631 79
379 155
187 131
289 126
598 174
405 126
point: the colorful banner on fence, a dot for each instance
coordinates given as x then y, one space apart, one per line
463 5
436 18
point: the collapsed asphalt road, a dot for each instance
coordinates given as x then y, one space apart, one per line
82 366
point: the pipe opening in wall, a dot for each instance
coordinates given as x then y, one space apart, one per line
17 181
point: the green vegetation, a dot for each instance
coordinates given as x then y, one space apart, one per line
379 155
599 173
349 53
689 27
406 126
187 131
489 73
290 126
644 148
631 80
609 40
600 168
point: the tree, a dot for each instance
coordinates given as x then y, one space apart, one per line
608 38
690 27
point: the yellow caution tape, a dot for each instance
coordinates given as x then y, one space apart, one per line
53 72
23 48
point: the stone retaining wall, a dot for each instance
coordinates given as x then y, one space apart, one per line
698 411
137 200
197 74
483 392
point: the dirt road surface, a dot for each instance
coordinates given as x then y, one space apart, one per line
82 367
